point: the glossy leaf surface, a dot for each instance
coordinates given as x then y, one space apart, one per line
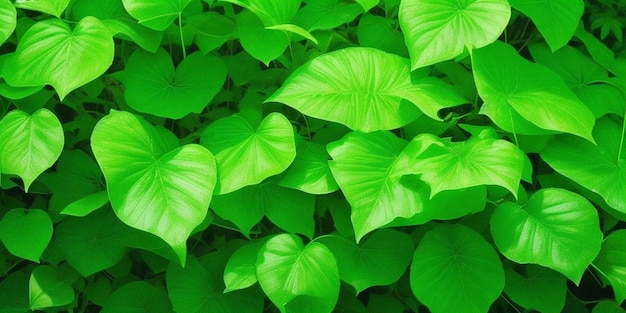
52 7
8 20
309 171
47 289
26 233
158 14
270 12
240 271
611 262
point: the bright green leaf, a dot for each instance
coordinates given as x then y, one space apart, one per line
211 30
153 184
296 276
87 204
294 29
556 228
541 288
607 307
138 297
155 14
29 144
380 33
526 98
309 171
270 12
26 233
247 154
367 4
47 289
455 269
611 262
52 7
439 30
263 44
326 14
8 20
240 271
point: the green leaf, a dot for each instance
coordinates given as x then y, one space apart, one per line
138 297
296 276
47 289
607 307
155 14
87 204
378 32
8 20
547 13
367 4
556 228
52 53
294 29
455 269
598 168
363 88
380 259
436 31
240 271
326 14
541 288
29 144
526 98
270 12
52 7
14 293
154 185
263 44
26 233
309 171
611 262
154 86
211 30
247 154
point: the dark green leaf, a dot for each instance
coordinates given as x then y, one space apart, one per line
138 297
26 233
47 289
541 288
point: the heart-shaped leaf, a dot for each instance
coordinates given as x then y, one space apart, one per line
296 276
611 262
26 233
263 44
540 288
29 144
309 171
363 88
247 154
455 269
240 271
153 85
52 7
154 185
607 307
138 297
270 12
47 289
52 53
547 13
526 98
155 14
556 228
8 20
439 30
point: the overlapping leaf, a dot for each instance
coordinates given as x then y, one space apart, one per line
541 288
47 289
138 297
309 171
240 271
8 20
270 12
155 14
26 233
611 262
263 44
52 7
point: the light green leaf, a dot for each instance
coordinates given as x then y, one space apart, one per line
26 233
309 171
8 20
155 14
381 33
367 4
211 30
526 98
326 14
455 269
153 184
296 276
363 88
611 262
52 7
52 53
439 30
541 288
380 259
240 271
294 29
556 228
607 307
29 144
87 204
154 86
46 289
270 12
247 154
263 44
547 13
138 297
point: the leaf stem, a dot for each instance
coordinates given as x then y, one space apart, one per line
621 141
180 30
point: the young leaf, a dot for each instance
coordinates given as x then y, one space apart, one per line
611 262
29 144
547 13
247 154
436 31
138 297
155 14
455 269
154 185
309 171
26 233
556 228
526 98
240 271
270 12
8 20
52 7
541 288
87 204
296 276
52 53
153 85
263 44
46 289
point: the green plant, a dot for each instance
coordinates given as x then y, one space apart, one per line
312 156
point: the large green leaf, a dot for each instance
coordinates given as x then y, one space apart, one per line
309 171
380 259
52 53
556 228
363 88
600 168
548 13
138 297
526 98
52 7
154 86
29 144
153 184
539 288
611 262
246 154
47 289
439 30
26 233
455 269
270 12
298 278
8 20
155 14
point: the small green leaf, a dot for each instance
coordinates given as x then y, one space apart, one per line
247 154
8 20
26 233
607 307
367 4
46 289
270 12
455 269
52 7
326 14
294 29
309 171
153 85
296 276
155 14
29 144
541 288
138 297
436 31
240 271
87 204
153 184
556 228
263 44
611 262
